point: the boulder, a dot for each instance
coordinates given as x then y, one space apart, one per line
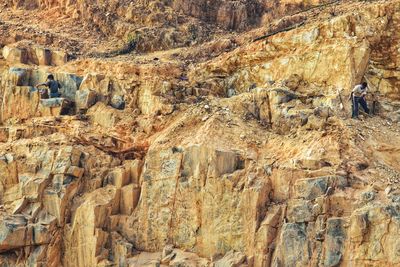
98 83
118 102
103 115
70 84
85 98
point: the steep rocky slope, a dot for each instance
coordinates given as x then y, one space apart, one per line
199 133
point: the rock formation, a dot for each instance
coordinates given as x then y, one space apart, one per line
199 133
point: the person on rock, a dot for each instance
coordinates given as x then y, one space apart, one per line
358 96
53 86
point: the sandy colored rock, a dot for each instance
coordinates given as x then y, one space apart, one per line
199 133
130 195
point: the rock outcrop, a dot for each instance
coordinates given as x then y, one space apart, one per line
235 152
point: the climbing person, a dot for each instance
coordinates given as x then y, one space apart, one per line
53 86
357 97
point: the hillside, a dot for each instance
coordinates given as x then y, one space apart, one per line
199 133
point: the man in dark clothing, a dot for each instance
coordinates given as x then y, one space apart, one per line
358 98
53 86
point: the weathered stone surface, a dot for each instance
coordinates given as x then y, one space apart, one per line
22 103
15 55
300 211
314 187
85 98
58 58
104 115
130 195
273 175
335 241
293 248
14 233
85 238
43 56
118 177
266 234
204 170
118 102
75 171
231 259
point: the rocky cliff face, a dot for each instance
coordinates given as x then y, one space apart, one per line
218 149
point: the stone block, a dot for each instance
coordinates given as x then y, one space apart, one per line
69 84
32 187
85 98
14 233
130 195
134 168
52 102
43 56
118 177
18 76
19 205
97 82
334 241
103 115
75 171
4 134
66 157
11 194
300 210
311 188
15 55
293 248
58 58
